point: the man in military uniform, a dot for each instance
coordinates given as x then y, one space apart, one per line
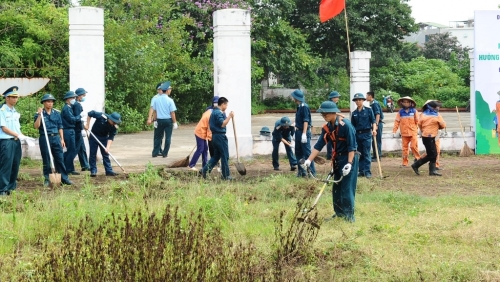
152 119
165 110
79 140
379 120
69 121
344 162
10 142
303 124
334 96
363 120
283 132
104 130
54 127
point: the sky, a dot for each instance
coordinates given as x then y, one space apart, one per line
444 11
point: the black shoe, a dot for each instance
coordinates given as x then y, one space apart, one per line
361 174
157 155
201 174
85 168
276 168
415 167
293 168
4 193
74 173
433 171
368 175
93 174
111 173
67 182
164 156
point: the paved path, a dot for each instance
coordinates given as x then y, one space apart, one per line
135 149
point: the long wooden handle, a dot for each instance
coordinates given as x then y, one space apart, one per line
104 148
48 144
460 122
236 141
378 157
192 151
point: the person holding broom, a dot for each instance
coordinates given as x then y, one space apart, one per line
345 161
283 132
430 123
203 135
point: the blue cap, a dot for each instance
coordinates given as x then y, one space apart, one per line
298 95
328 107
12 91
333 94
358 96
165 86
47 97
115 117
285 121
158 86
215 99
265 131
69 94
80 91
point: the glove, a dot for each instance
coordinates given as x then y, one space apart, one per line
30 141
176 125
155 124
307 163
304 139
83 115
346 169
21 137
84 133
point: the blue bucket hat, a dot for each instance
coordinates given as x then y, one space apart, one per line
115 117
69 94
265 131
285 121
165 86
333 94
215 99
298 95
80 91
47 97
12 91
359 96
328 107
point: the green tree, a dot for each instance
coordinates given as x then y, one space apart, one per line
442 45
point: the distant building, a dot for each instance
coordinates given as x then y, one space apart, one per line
462 30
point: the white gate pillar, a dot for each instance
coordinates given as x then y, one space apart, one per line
472 106
360 74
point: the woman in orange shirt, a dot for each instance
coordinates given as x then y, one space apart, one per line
202 134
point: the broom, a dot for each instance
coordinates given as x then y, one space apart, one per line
184 162
466 151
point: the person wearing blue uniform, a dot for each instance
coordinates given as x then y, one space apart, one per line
79 137
54 127
334 96
152 118
363 120
379 120
283 132
303 124
104 130
344 159
10 142
69 121
218 121
166 118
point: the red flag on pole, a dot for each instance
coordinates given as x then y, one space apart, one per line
330 8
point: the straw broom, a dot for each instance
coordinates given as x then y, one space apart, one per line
466 150
184 162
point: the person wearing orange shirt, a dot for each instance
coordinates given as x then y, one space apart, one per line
407 123
202 134
430 123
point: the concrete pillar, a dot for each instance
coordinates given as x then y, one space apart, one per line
232 73
360 74
472 92
86 54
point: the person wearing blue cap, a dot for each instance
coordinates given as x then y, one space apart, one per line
344 160
166 118
303 124
363 120
79 141
10 142
54 128
334 96
379 120
283 132
152 117
69 121
104 131
202 134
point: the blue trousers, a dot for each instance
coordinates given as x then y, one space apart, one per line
291 157
10 156
93 145
164 129
364 141
302 151
57 154
81 150
344 192
379 141
201 150
221 152
71 152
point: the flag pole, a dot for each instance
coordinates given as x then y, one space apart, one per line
348 43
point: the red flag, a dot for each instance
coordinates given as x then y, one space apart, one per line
330 8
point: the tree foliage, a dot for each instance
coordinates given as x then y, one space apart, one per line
442 45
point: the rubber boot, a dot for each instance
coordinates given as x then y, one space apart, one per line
416 165
432 170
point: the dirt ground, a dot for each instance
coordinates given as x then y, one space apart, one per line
461 175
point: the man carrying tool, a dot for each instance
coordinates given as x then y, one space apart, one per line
283 132
69 122
303 124
407 122
344 159
218 122
379 120
363 121
81 150
104 131
54 128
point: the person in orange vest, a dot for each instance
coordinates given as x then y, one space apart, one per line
430 123
203 135
407 123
